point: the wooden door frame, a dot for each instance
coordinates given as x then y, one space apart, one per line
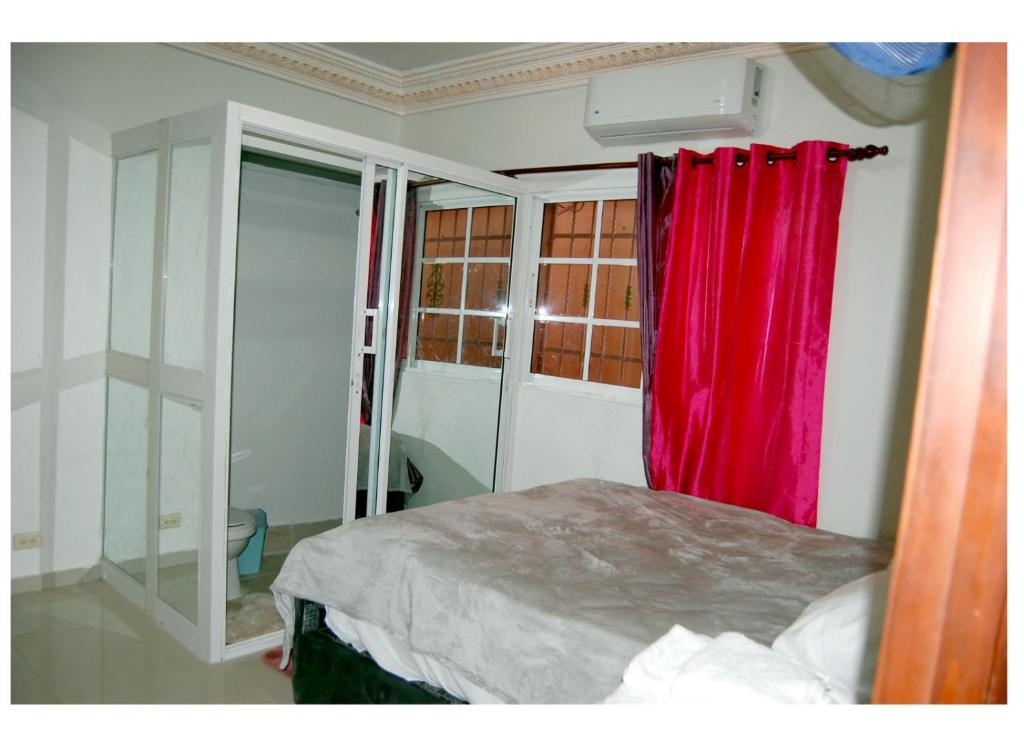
944 639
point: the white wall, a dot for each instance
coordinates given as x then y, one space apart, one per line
117 86
561 436
886 232
60 249
297 244
66 100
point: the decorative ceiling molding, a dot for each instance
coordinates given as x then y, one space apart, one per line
522 69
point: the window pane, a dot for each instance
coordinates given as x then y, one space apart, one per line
437 338
482 337
616 293
618 230
558 349
568 229
563 289
181 455
487 287
441 285
187 231
124 507
492 231
132 261
445 233
615 356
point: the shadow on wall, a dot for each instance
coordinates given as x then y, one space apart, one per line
443 477
884 102
876 100
932 157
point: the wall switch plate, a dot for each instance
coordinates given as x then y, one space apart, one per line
27 540
170 520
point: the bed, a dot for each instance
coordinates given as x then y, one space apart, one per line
404 479
545 595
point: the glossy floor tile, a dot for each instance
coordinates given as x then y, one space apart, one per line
87 644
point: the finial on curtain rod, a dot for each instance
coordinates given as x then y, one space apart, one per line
852 154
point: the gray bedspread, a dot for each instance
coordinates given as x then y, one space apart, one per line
545 595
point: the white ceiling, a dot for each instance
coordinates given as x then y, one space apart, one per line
409 56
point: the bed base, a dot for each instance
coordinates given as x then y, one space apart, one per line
327 670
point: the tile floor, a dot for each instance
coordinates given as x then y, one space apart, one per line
87 644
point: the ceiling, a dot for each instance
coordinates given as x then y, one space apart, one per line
409 56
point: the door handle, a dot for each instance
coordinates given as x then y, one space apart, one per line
497 352
370 348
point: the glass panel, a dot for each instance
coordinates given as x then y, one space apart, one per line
615 356
295 281
492 232
618 230
487 287
558 349
131 277
438 339
180 481
563 289
185 270
442 285
378 288
445 428
616 292
124 496
483 341
568 229
445 233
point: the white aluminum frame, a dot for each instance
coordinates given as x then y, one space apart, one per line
397 180
125 366
226 125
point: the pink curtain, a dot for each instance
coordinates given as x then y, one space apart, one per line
742 299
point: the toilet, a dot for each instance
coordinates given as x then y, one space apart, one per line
241 527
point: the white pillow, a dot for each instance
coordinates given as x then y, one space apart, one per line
839 634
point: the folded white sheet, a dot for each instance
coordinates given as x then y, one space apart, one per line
684 667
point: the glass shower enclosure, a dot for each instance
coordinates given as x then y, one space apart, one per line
417 307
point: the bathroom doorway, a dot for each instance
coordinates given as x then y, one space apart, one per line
295 289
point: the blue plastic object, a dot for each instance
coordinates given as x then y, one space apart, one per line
896 59
251 559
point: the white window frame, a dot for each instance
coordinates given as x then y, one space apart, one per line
440 199
568 194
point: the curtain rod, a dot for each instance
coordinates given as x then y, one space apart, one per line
852 154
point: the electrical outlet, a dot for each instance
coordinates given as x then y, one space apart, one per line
27 540
170 520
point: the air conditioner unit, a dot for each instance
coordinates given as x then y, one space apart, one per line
712 97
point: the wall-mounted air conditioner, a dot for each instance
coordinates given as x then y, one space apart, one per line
712 97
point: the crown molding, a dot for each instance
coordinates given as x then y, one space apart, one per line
522 69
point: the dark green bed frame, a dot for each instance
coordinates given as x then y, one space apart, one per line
327 670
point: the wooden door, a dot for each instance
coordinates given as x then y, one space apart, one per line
944 639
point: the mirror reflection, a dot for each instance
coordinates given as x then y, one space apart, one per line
452 311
